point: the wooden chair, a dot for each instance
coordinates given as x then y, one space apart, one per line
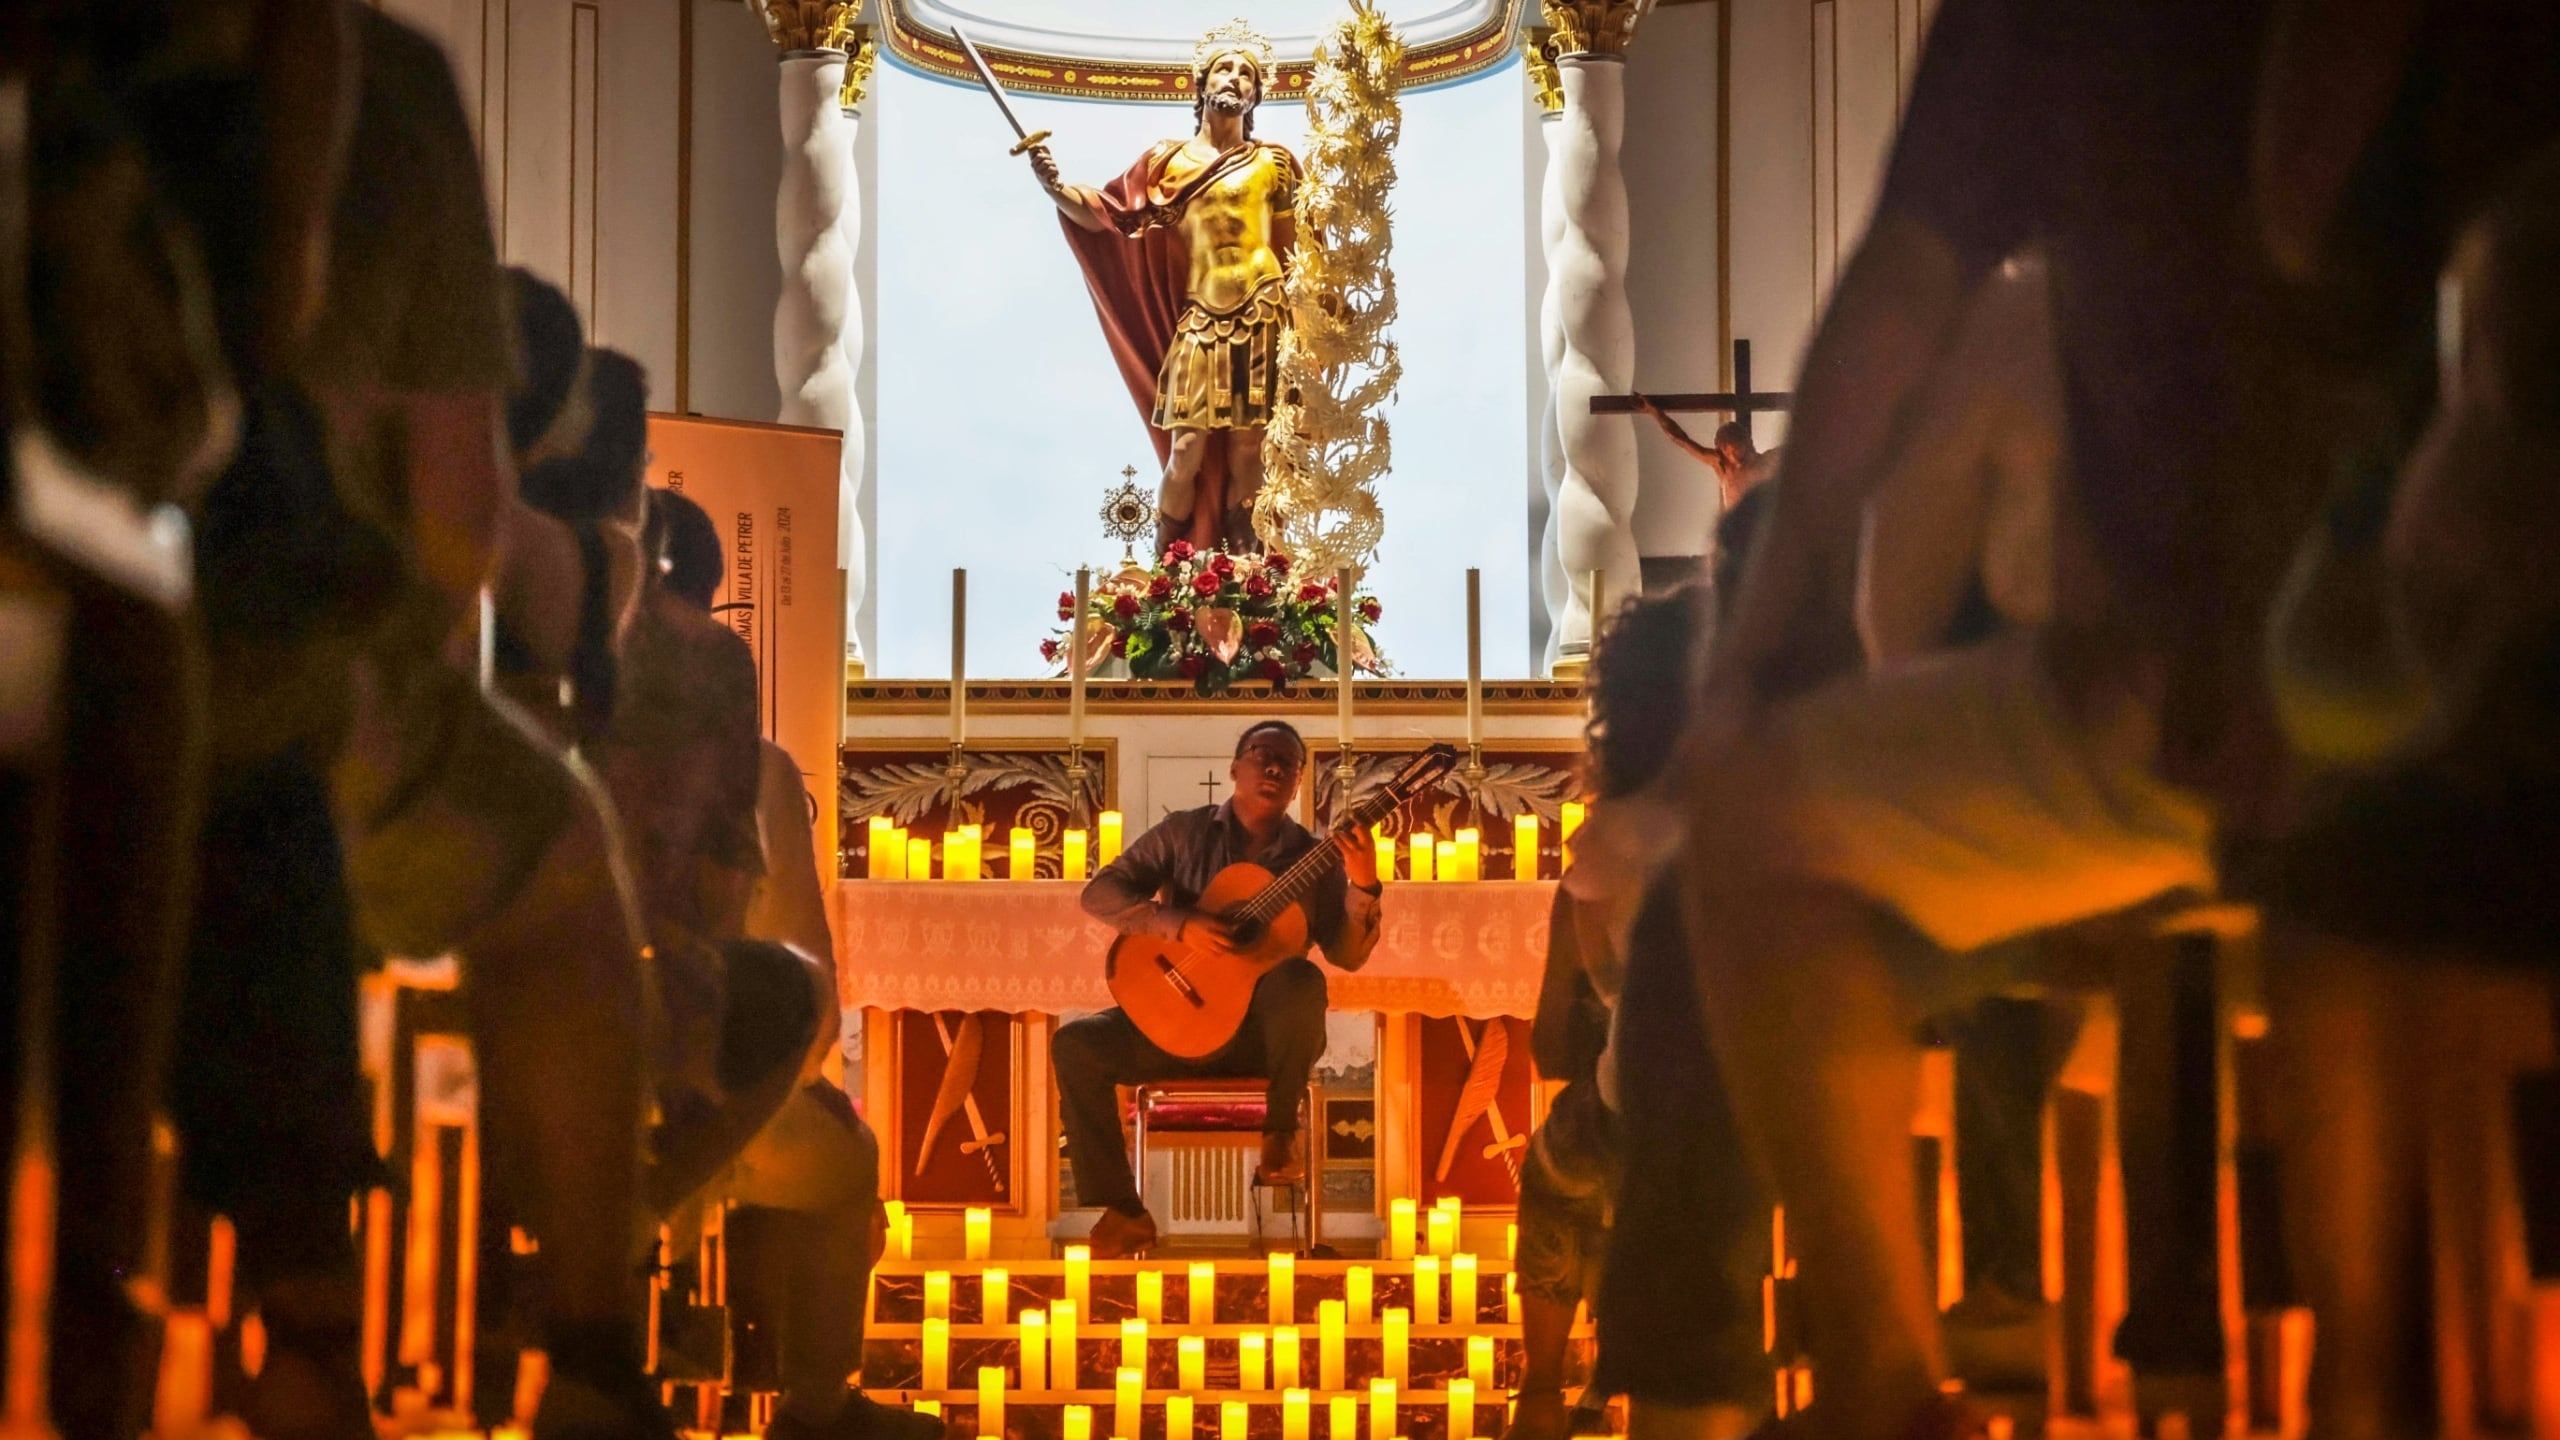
1226 1107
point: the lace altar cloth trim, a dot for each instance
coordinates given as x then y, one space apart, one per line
1460 948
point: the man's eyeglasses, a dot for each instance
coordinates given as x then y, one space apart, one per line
1274 761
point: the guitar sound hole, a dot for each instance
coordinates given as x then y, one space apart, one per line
1248 933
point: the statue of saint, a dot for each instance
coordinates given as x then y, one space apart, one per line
1185 254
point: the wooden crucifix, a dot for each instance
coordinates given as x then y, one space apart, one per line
1741 402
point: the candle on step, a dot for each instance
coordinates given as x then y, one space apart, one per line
1284 1287
937 1294
1231 1420
1064 1373
1462 1289
1382 1409
937 1355
1422 847
1426 1288
1480 1362
1106 837
1024 853
921 1407
1133 1345
1284 1357
1444 860
1080 1277
1072 855
1470 854
919 858
977 1231
1035 1349
901 1245
1400 1222
1329 1344
1178 1419
1457 1208
1511 1297
1128 1393
1356 1283
1462 1409
1151 1296
995 1296
1511 1243
1293 1413
1444 1232
1204 1294
1191 1354
1346 1418
1078 1422
1253 1354
991 1400
1395 1338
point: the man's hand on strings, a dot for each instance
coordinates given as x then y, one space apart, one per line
1208 932
1359 847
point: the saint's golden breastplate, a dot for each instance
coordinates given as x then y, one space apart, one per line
1229 225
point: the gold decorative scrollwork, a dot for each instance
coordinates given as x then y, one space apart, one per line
809 24
861 53
1538 53
1593 27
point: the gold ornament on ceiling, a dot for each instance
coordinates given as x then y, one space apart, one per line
1234 37
1327 447
1593 27
1538 56
808 24
861 53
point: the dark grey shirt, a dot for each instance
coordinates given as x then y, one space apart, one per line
1156 883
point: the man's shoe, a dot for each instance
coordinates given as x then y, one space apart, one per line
1117 1236
1540 1416
578 1410
862 1418
1283 1160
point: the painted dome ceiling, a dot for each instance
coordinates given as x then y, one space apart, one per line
1141 49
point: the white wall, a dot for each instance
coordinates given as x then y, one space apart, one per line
1670 164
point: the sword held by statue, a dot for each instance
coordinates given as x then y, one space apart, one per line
1024 139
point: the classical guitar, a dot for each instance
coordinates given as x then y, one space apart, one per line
1191 1001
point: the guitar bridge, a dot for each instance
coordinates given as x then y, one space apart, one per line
1181 986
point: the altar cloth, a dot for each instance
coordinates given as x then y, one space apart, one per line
1456 948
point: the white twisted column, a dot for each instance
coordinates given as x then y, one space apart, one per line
852 541
1536 50
1595 505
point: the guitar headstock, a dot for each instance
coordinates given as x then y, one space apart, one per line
1417 774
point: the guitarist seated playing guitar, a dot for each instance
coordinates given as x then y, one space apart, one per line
1195 944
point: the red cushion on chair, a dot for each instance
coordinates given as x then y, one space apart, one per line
1198 1116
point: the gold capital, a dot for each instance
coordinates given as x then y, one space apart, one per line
1538 53
862 51
808 24
1593 27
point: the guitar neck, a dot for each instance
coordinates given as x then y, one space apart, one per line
1292 884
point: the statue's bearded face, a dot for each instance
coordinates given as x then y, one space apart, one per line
1231 84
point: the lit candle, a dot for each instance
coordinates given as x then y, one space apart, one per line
973 863
1329 1344
1342 656
1253 1353
1178 1421
1524 846
1293 1413
900 849
1204 1294
977 1228
919 858
1462 1289
1462 1409
1151 1296
1470 854
1024 852
1192 1362
1079 1422
1355 1293
995 1297
876 853
900 1245
1386 844
1080 1277
1420 867
1133 1345
1480 1362
1511 1297
1064 1374
1456 1205
1382 1409
937 1355
937 1294
1072 855
1284 1287
960 705
1035 1349
1075 672
1511 1243
1231 1420
1284 1357
1572 821
1443 1233
1127 1394
925 1407
1426 1288
1475 659
1400 1229
991 1400
1395 1334
1346 1418
1108 826
1444 860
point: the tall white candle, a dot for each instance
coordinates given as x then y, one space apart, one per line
991 1400
1475 658
1150 1292
937 1355
959 655
1035 1349
1075 670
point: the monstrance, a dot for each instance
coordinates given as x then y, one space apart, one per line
1128 512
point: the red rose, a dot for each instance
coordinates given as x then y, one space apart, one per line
1206 584
1066 605
1120 643
1049 650
1369 610
1303 656
1125 607
1258 587
1261 633
1276 563
1192 665
1223 563
1312 594
1177 619
1160 587
1271 670
1177 552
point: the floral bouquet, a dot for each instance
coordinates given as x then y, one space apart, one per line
1217 619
